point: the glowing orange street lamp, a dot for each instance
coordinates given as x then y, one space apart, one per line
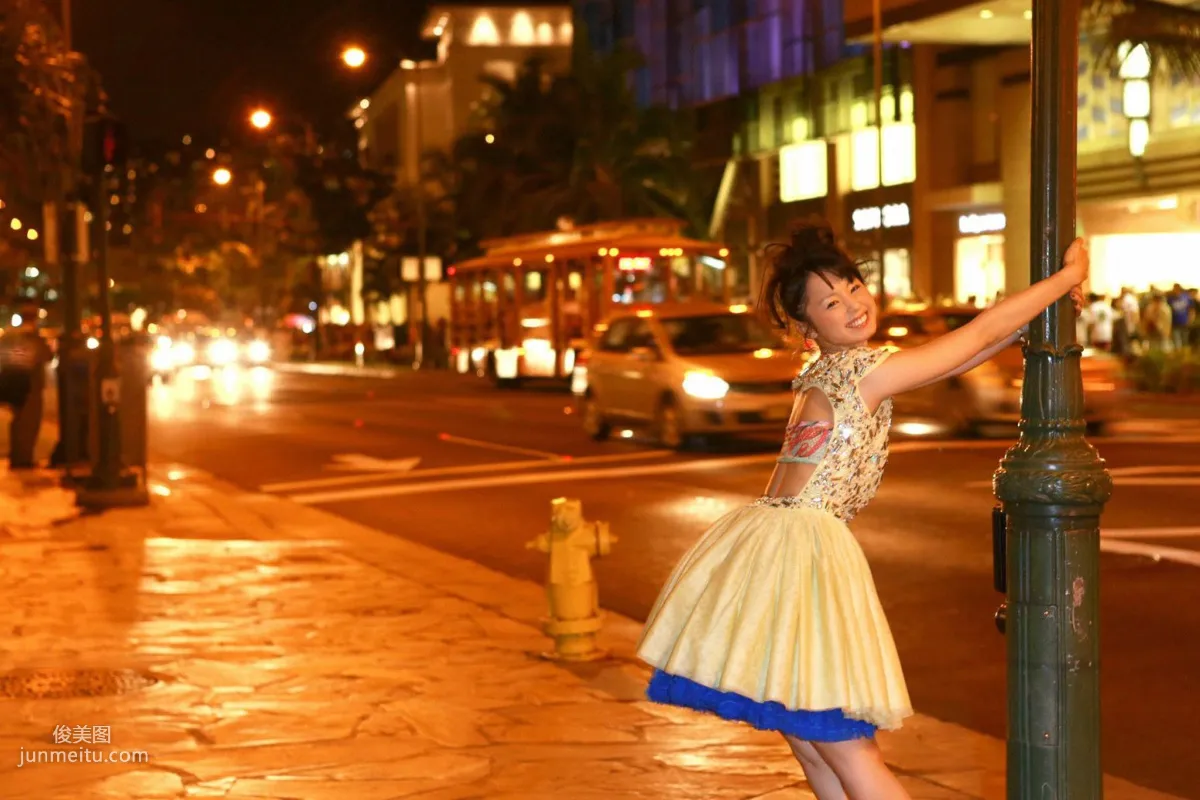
354 57
222 176
261 119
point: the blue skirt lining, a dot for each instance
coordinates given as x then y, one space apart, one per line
831 725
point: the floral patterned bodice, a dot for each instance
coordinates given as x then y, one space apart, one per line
850 466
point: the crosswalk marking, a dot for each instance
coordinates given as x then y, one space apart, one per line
466 469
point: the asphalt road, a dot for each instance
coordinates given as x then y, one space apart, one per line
456 465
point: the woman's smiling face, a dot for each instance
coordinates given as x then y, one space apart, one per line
840 312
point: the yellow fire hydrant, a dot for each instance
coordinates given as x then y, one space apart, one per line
571 587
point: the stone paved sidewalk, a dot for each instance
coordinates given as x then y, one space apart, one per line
251 648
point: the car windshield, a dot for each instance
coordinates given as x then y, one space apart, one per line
719 333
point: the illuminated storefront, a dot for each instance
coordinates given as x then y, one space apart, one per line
868 225
1146 244
979 257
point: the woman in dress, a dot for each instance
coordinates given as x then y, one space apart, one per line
772 617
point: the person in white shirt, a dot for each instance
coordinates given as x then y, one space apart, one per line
1083 326
1131 313
1102 318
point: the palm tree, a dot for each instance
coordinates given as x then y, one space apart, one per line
549 146
1171 33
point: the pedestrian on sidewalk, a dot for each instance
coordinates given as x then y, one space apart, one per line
24 355
772 617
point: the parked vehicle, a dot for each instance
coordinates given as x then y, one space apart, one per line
686 371
987 399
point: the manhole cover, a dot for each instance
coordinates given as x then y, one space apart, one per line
36 684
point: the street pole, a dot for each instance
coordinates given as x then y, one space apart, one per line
422 288
110 484
71 256
260 243
108 462
1052 484
877 63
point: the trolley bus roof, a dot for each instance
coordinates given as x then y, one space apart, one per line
640 237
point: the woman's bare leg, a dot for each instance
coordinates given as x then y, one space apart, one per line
861 770
821 778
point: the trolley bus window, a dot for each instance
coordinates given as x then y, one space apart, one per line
535 285
640 279
719 334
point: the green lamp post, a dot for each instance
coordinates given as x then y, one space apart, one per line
1052 484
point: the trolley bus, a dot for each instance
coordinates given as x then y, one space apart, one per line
525 308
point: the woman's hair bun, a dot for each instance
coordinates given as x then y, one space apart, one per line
813 249
813 235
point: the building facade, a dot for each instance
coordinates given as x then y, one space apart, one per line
785 109
434 97
936 187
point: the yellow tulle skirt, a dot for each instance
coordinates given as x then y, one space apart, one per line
772 618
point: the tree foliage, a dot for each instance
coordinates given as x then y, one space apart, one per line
1170 32
45 92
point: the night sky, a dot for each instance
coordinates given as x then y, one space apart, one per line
200 66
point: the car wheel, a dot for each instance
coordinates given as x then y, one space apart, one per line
594 423
668 427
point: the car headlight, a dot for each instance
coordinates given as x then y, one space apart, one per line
160 360
704 385
258 351
184 353
222 351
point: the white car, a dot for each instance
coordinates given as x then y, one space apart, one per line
686 371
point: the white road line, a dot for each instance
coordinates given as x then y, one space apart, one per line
1152 551
466 469
559 461
505 448
1150 533
1163 469
554 476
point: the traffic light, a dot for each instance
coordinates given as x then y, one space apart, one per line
104 145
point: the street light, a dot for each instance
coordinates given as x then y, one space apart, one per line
261 119
354 57
1135 72
222 176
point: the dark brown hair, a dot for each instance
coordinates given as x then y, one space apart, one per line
813 250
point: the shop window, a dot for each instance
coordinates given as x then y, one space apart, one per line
483 32
899 156
501 70
803 171
897 273
521 33
978 269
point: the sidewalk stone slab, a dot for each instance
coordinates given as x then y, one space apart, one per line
300 656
